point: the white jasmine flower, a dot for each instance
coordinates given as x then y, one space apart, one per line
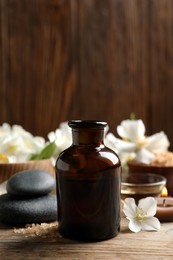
134 140
5 129
132 130
144 155
17 145
157 142
118 145
62 138
141 217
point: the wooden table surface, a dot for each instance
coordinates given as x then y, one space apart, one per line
127 245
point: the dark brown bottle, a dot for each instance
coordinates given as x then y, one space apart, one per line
88 185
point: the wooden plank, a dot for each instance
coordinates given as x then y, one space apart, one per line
66 59
37 73
114 59
127 245
161 66
3 60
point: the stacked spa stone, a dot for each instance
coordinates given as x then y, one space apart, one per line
28 200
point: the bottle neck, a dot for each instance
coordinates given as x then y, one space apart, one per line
88 137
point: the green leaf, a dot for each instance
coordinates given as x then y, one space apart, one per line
132 116
46 153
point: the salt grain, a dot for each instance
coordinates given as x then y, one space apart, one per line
163 159
47 230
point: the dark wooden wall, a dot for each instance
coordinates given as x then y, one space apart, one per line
88 59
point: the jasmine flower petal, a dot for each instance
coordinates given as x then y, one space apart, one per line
117 144
129 207
125 157
134 225
148 205
144 156
62 138
132 130
110 141
151 223
157 142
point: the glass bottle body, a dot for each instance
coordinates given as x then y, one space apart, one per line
88 188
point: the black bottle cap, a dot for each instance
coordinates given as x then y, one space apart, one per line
87 124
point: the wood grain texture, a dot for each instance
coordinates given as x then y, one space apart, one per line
90 59
114 59
127 245
37 71
161 64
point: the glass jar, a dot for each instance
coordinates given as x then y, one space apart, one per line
88 177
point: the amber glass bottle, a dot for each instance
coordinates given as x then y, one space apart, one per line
88 185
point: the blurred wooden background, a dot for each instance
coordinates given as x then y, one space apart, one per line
88 59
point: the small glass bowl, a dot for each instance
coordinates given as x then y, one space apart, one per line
141 185
165 171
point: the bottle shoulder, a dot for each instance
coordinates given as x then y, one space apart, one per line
88 157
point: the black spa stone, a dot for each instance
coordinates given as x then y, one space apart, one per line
16 211
30 183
